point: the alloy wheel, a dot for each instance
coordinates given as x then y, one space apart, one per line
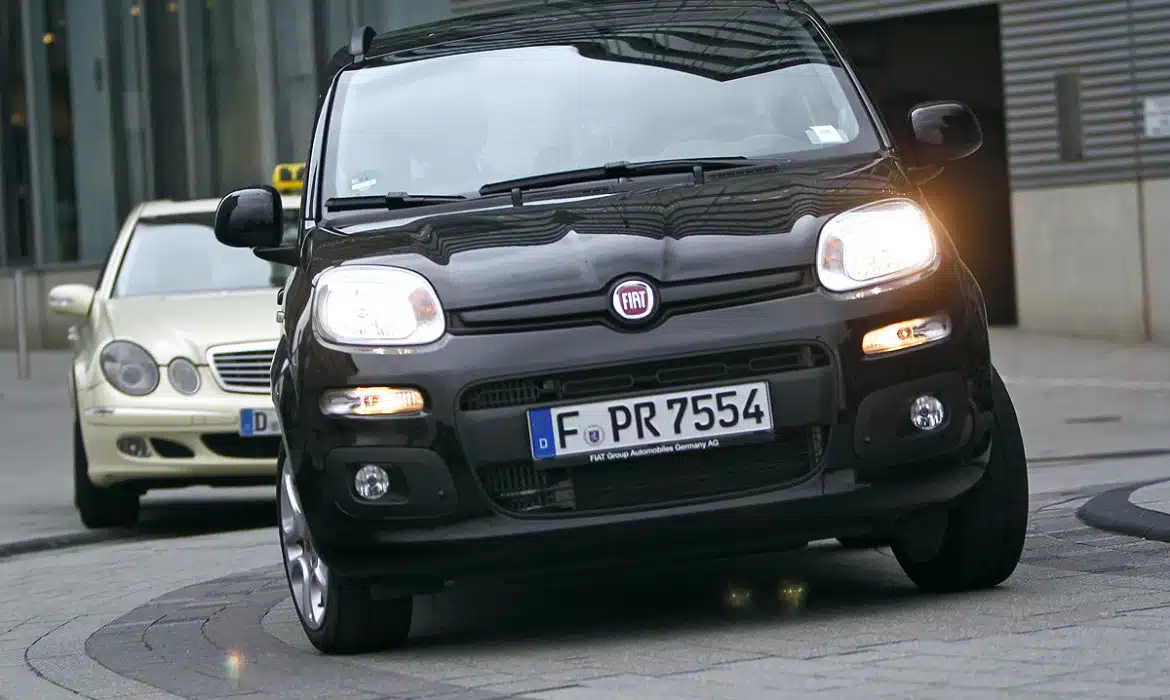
308 576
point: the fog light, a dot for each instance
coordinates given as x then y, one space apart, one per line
905 335
927 413
372 482
371 401
134 446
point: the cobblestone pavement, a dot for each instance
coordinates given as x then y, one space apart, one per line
1085 616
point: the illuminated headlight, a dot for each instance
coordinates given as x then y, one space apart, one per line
874 244
129 368
368 305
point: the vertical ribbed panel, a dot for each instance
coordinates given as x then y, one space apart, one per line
1042 38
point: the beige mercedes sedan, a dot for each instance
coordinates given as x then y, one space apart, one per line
171 358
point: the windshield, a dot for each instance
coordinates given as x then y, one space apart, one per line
179 254
450 124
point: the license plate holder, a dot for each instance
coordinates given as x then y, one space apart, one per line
259 422
685 421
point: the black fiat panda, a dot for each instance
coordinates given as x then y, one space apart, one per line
606 282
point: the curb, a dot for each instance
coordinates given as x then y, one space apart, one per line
1112 511
54 542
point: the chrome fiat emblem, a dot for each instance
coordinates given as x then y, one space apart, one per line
634 300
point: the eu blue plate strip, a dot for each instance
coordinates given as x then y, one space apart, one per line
540 429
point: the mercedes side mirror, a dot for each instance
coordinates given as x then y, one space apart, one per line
71 299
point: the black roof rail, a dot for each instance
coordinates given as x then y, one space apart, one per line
359 43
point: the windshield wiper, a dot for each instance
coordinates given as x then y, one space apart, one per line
392 200
622 168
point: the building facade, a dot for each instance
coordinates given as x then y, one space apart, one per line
104 103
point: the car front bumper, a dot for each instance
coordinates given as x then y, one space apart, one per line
191 440
465 498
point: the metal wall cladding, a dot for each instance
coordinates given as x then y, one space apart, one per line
1120 51
1119 48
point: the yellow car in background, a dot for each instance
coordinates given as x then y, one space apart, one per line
171 360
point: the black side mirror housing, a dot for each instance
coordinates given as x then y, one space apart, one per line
943 132
251 217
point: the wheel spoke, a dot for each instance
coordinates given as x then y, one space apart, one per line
308 608
320 578
292 516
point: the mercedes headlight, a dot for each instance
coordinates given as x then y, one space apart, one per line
874 244
371 305
184 376
129 368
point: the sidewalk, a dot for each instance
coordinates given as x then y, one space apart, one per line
36 471
1077 399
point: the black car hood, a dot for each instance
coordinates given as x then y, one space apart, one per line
738 222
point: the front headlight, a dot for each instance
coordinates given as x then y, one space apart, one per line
370 305
875 243
129 368
184 376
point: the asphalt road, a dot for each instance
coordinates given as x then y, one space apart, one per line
207 615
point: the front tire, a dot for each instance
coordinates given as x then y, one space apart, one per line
337 613
985 531
114 506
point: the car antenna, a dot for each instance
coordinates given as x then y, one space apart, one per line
517 197
359 43
700 176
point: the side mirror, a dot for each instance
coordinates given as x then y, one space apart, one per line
71 299
944 132
250 218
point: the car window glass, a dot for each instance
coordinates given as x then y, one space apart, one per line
555 108
180 255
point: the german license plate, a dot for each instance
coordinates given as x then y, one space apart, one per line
683 421
259 422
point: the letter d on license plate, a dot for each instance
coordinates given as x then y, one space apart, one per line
683 421
259 422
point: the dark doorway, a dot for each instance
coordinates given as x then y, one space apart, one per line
952 55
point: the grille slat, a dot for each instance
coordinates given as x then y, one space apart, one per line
242 369
593 308
658 480
643 376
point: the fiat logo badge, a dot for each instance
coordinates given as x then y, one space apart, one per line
634 300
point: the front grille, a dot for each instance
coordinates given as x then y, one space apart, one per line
641 377
243 369
233 446
593 308
658 480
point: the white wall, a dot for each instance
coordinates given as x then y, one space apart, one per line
1079 260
